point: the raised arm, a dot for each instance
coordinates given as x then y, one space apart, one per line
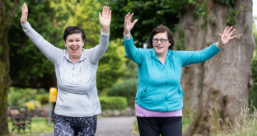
191 57
131 51
50 51
105 21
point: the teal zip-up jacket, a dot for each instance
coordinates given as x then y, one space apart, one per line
158 86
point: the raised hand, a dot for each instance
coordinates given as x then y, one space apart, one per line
127 23
105 19
225 37
24 16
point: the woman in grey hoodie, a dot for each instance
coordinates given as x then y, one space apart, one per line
77 101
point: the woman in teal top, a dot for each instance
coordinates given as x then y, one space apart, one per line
159 74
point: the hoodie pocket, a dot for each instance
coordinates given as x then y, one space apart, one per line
143 92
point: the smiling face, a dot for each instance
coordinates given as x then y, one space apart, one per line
74 44
161 43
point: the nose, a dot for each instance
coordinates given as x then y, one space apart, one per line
159 41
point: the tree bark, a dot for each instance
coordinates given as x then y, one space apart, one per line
219 87
6 17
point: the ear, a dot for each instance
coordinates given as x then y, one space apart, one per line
65 44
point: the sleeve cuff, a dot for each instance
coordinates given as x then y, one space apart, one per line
25 26
131 38
216 46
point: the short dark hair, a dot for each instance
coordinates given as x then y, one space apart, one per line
73 30
161 29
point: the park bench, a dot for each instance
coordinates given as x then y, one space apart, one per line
19 122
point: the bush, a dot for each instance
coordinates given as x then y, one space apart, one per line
126 89
112 103
17 96
43 98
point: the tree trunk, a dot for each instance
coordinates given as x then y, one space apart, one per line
6 16
219 87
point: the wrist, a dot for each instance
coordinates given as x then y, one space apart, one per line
219 45
126 35
105 30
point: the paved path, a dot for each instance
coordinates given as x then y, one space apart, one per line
115 126
112 126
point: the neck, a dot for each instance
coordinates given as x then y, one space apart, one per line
74 59
161 56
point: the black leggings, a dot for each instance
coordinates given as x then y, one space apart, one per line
74 126
154 126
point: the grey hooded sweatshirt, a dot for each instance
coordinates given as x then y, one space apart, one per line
77 93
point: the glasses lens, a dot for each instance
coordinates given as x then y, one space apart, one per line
164 40
155 40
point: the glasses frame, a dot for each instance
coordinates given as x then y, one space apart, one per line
161 40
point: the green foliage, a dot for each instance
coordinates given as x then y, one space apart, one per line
112 103
42 98
17 96
150 14
202 11
227 2
252 101
111 66
201 8
179 44
127 89
28 64
131 70
233 11
38 126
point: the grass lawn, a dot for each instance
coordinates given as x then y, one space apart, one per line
38 126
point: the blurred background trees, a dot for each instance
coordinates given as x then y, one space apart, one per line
195 25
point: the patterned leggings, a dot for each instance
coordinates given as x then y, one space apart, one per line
74 126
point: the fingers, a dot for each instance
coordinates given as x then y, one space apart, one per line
126 19
100 15
232 32
134 21
106 11
229 29
110 13
225 29
232 37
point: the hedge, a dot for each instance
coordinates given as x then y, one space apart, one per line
112 103
127 89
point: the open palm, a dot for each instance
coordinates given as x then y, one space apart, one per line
127 23
24 16
226 36
105 17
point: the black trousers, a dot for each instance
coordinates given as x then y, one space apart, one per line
154 126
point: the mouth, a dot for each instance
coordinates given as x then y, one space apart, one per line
158 47
74 48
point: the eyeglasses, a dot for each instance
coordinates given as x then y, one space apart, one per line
161 40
